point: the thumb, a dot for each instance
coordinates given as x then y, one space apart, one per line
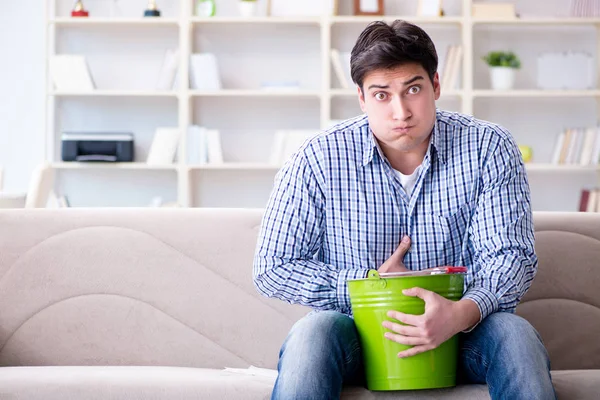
402 248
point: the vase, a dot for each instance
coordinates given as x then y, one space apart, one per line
502 78
247 8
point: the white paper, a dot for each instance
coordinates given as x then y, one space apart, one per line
168 70
429 8
254 371
303 8
70 73
368 6
164 146
204 72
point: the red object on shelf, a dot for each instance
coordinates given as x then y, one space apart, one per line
80 13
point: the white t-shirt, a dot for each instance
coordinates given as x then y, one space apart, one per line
408 181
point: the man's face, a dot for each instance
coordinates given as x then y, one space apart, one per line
400 105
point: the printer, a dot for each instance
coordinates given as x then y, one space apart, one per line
97 146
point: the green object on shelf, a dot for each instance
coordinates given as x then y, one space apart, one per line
502 59
371 299
206 8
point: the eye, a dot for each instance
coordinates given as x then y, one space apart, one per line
380 96
414 89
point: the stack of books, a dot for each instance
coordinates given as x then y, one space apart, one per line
451 69
577 146
585 8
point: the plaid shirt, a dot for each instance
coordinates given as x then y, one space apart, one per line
337 210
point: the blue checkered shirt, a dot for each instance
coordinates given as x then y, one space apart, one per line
337 209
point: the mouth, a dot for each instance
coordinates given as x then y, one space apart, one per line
402 129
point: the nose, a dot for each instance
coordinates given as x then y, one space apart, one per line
400 110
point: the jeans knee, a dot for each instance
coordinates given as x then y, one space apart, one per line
515 335
320 329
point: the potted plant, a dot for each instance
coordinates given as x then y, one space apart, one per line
503 66
247 8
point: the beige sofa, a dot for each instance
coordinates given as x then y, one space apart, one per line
154 304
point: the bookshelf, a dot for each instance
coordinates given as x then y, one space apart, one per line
125 52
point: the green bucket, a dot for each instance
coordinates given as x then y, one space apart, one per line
371 298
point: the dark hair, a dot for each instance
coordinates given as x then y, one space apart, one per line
383 46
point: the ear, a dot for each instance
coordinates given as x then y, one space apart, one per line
436 86
361 99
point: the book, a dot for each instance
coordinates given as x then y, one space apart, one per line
454 68
286 143
596 152
214 147
338 69
558 148
168 71
591 205
197 151
70 72
585 157
204 72
493 10
583 200
164 146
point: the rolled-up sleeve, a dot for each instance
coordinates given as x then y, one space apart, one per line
502 233
291 234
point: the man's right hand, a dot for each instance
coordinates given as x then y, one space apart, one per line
396 261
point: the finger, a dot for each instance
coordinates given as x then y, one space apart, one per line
413 351
421 293
408 319
402 248
405 330
406 340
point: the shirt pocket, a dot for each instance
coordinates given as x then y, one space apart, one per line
454 229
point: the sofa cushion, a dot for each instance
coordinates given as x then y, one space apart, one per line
157 383
131 383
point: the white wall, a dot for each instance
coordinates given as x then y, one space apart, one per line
22 80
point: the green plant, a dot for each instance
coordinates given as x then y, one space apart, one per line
502 59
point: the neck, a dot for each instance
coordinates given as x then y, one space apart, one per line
405 161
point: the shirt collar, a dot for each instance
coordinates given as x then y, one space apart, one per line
440 141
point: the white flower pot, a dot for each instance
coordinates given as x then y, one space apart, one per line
502 78
247 8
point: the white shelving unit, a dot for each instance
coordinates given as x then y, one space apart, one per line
246 115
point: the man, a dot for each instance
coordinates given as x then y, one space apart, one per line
404 187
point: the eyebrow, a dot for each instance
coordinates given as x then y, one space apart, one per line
408 82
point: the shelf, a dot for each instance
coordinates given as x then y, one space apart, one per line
116 93
536 93
69 21
256 93
349 19
256 20
236 167
538 21
562 167
109 165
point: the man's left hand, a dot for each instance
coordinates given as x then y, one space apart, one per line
442 319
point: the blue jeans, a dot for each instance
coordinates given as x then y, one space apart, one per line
322 353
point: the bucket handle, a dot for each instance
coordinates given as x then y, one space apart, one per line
375 281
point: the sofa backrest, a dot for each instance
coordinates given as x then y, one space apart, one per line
174 287
168 287
563 303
